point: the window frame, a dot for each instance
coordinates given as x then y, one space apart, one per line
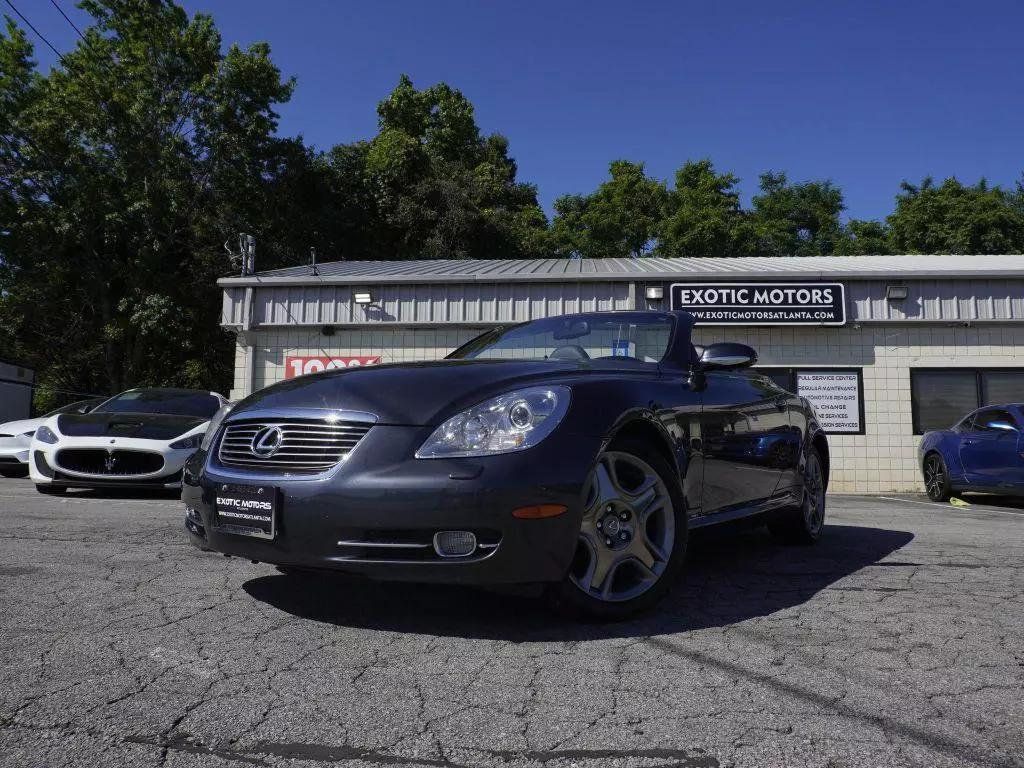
979 390
793 370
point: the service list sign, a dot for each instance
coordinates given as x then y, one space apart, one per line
761 303
835 396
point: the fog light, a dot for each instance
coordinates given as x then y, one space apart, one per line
191 513
454 543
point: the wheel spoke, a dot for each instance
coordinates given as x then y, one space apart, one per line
605 486
646 570
645 498
602 572
647 552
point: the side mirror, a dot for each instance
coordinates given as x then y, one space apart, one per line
726 356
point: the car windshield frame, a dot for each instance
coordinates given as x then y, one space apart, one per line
166 396
568 328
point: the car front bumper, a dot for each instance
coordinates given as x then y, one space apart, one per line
46 467
382 495
13 453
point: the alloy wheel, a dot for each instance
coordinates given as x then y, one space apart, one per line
934 477
628 530
814 495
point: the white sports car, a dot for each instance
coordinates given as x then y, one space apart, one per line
16 437
139 438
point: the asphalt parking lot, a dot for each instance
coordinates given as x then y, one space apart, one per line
898 641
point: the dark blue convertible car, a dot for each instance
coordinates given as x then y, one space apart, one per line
984 452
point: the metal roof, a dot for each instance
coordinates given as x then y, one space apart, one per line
648 268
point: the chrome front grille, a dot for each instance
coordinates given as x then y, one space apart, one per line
306 447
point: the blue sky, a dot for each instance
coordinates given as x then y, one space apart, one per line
863 93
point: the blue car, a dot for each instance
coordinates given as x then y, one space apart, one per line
983 453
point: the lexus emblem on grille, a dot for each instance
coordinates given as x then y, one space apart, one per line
266 442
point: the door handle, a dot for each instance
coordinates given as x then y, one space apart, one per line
970 442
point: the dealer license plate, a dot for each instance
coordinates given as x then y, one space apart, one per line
247 510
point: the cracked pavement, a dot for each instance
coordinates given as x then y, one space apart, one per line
897 641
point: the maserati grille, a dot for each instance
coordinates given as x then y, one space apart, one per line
113 463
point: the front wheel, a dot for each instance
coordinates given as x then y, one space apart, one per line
936 478
804 524
632 539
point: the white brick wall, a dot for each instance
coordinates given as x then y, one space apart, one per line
881 461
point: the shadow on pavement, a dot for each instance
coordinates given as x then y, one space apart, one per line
729 578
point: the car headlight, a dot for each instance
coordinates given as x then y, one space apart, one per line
46 435
214 426
192 441
511 422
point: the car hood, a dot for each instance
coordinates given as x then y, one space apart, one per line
408 393
145 426
20 427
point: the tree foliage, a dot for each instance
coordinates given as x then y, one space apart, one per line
125 167
621 218
797 219
953 218
703 216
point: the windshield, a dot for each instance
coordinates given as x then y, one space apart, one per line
175 402
636 336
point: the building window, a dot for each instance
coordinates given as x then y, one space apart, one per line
939 398
837 394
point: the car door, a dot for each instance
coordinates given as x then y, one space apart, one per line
990 449
744 427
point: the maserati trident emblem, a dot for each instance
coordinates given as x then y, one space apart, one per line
266 442
110 461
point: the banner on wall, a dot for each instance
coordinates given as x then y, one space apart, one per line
837 397
300 365
761 303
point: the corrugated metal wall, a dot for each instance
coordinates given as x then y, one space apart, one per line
458 303
476 303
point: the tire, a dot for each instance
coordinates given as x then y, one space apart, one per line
51 490
14 471
804 524
632 537
936 477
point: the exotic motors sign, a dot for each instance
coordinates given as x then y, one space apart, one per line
300 366
762 303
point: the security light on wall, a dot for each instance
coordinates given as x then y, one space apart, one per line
896 292
654 293
363 297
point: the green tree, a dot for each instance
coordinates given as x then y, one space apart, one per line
704 217
953 218
126 167
443 190
797 219
861 237
622 218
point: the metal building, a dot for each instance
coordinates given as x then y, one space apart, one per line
17 384
885 346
